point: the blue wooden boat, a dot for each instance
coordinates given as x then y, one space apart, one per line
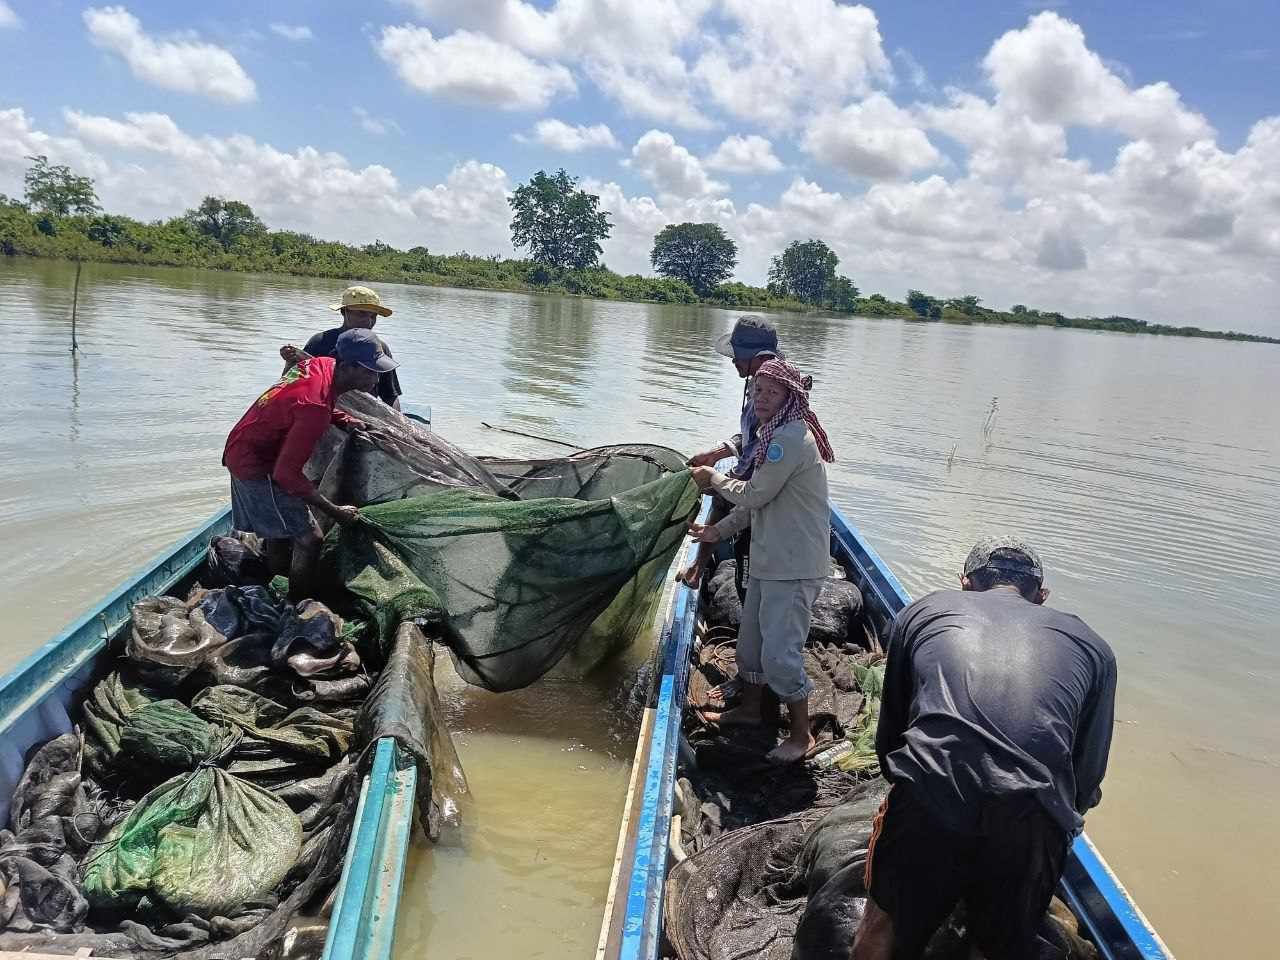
37 703
632 927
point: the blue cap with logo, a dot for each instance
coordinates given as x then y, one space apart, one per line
364 348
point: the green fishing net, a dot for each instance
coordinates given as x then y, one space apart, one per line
520 566
511 585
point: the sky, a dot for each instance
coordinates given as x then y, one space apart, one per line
1092 158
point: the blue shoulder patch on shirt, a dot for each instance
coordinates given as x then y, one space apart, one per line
774 453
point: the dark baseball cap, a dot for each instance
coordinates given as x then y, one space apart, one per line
1005 553
748 341
364 348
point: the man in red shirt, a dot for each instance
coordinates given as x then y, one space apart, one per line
273 441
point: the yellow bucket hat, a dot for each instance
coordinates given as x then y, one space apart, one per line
361 298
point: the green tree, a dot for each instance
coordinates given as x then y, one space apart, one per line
560 225
225 221
1018 308
108 230
966 305
922 303
842 294
804 271
698 253
52 188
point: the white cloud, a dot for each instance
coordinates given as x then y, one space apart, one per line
749 154
1061 249
468 211
558 135
630 51
472 68
184 65
875 139
295 32
783 57
378 126
1046 73
671 168
22 140
916 72
8 19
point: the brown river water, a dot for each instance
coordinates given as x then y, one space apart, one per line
1145 469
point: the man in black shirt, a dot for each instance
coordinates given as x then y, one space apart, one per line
994 731
360 308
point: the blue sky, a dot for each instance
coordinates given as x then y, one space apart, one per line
1090 157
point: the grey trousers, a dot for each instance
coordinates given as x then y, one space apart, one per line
775 625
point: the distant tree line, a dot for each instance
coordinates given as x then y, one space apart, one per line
558 224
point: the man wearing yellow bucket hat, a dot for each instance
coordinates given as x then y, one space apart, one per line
360 308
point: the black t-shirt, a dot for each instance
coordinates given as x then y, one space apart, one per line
988 695
326 344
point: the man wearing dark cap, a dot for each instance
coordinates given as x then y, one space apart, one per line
752 341
267 449
994 731
360 308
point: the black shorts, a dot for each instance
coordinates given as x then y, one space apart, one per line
918 869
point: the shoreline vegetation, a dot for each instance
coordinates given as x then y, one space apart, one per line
61 219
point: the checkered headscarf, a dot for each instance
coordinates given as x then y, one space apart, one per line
795 407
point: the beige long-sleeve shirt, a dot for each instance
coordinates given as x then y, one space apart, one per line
785 504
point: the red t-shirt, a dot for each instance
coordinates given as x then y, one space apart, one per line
277 434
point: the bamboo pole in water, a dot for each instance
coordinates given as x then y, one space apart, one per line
75 303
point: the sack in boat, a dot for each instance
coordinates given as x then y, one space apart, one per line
311 642
237 561
167 735
837 613
203 842
105 713
306 732
168 641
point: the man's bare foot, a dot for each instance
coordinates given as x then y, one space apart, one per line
691 576
791 750
737 717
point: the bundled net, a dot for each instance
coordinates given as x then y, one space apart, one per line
516 564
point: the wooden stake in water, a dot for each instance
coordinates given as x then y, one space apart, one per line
75 302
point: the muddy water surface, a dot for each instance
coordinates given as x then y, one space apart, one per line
1145 469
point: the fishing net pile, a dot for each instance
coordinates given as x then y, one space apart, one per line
772 858
202 807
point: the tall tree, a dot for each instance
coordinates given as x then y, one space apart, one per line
698 253
560 225
225 221
52 188
804 271
841 294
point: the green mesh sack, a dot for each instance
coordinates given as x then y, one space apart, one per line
105 712
512 585
202 843
165 733
306 732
